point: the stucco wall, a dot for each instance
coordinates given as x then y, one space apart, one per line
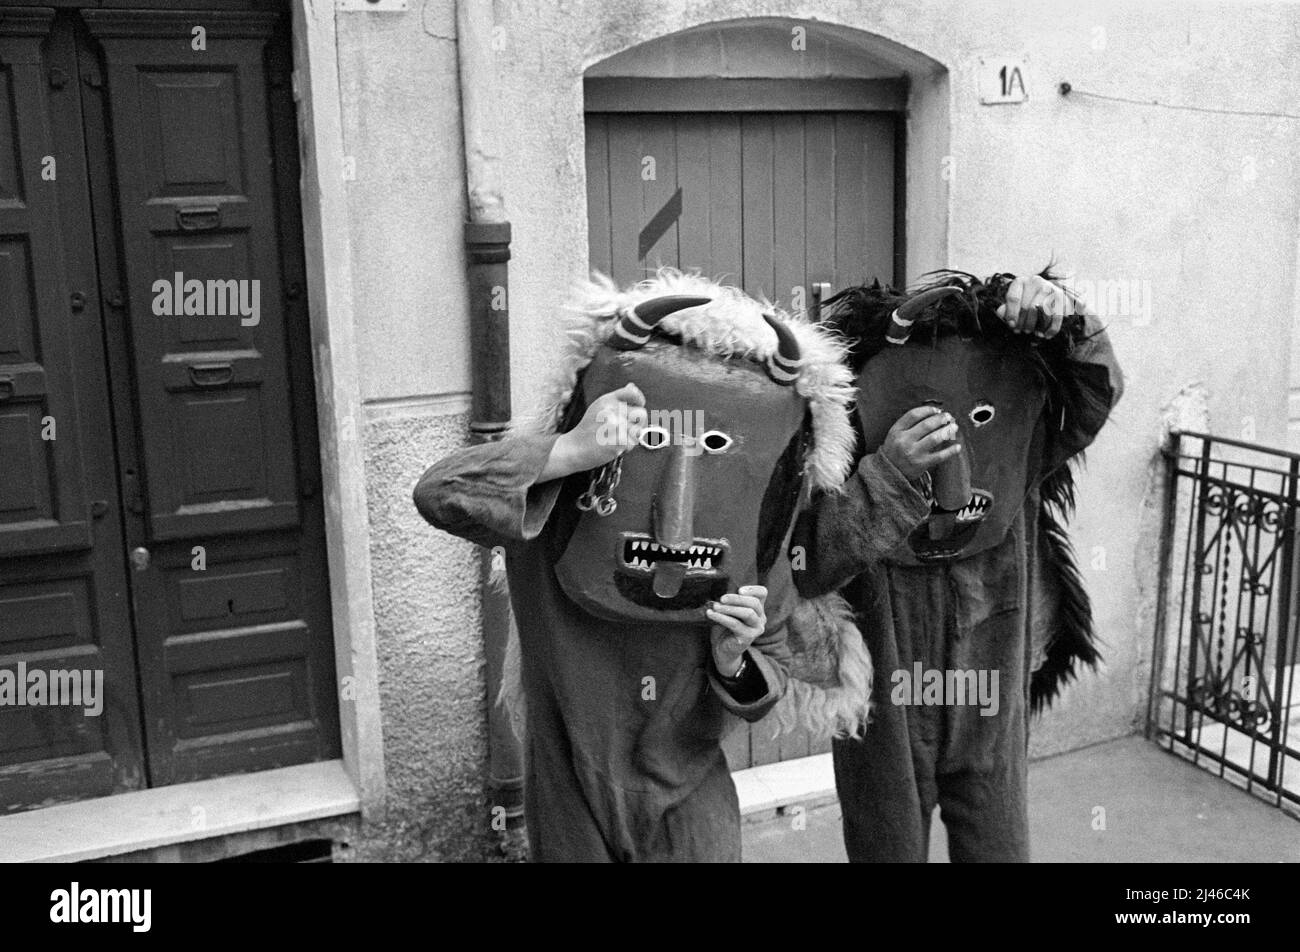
1199 208
401 128
401 119
431 659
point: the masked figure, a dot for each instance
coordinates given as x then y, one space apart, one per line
610 569
979 616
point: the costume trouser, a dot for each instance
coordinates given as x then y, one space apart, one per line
579 814
914 756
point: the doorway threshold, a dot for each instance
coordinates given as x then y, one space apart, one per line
165 816
806 781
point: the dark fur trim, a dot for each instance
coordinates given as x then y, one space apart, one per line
781 499
1073 638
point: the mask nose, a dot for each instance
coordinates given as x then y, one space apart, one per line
952 490
952 479
674 517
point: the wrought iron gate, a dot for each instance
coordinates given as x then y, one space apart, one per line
1224 664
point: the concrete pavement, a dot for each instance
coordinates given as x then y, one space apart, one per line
1124 801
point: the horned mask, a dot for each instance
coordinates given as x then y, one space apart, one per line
747 415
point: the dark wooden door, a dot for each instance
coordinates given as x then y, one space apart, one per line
64 601
770 201
235 660
201 424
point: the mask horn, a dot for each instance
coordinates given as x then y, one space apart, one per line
634 325
783 364
906 314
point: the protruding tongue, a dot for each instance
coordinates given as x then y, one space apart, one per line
669 577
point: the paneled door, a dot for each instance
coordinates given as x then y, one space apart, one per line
154 307
64 600
773 202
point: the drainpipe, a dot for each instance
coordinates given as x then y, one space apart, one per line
487 247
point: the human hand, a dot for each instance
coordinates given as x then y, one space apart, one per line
610 427
1036 306
920 440
737 620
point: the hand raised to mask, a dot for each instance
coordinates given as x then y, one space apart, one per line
610 427
1036 306
920 440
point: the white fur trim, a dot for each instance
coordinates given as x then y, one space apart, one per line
730 325
511 697
838 703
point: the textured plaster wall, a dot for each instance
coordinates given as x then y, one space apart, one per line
401 128
398 76
431 658
1200 208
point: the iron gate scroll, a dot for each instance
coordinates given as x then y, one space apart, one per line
1224 663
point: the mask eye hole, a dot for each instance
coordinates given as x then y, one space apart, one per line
982 413
715 441
654 437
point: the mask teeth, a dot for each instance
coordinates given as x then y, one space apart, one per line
976 508
643 553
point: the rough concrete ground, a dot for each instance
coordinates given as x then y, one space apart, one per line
1158 808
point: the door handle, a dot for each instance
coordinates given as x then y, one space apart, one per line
212 375
198 217
140 558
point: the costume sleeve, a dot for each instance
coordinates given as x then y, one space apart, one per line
769 654
750 688
1095 387
840 535
489 493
